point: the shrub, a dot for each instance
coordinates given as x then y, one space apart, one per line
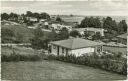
19 57
106 62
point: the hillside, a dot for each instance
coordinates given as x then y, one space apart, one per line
23 30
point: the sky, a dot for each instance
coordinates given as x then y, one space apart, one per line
67 7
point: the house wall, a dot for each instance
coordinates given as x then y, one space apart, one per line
54 50
79 52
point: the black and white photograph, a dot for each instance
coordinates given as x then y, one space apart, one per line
60 40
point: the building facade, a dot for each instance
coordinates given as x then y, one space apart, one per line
75 46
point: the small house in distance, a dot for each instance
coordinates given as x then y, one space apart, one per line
76 46
91 31
122 38
33 19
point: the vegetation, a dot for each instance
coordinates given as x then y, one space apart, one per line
25 17
97 36
15 34
114 63
105 62
113 28
40 70
41 40
90 22
58 19
75 33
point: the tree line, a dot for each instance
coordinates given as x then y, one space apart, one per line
15 17
107 23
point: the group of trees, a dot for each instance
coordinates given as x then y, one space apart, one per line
38 15
15 17
106 23
11 16
41 38
90 22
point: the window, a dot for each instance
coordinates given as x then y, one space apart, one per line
54 47
62 50
99 48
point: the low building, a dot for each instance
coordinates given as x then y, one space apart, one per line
58 26
76 46
33 19
42 20
92 31
122 38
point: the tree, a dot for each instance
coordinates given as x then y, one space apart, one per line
109 23
29 14
63 34
4 16
74 33
122 27
37 40
97 36
44 16
53 35
86 34
90 22
58 19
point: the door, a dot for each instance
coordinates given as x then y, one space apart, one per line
57 50
66 52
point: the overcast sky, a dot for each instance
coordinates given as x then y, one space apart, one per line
68 7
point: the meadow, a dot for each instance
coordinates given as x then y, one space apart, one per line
26 33
27 64
53 70
116 50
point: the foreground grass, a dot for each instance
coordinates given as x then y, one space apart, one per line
53 70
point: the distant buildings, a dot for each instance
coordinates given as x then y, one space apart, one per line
91 31
58 26
76 46
33 19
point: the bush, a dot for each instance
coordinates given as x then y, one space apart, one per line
105 62
19 57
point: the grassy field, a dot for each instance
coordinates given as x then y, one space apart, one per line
17 49
23 30
53 70
45 69
123 50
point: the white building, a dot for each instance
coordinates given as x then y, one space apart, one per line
33 19
76 46
58 26
91 30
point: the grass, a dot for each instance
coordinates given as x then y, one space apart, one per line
20 50
116 49
53 70
47 69
23 30
18 53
